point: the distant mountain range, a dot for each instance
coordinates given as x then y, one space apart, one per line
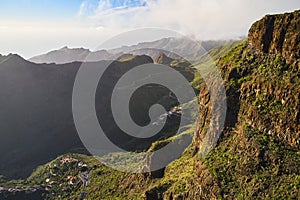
184 47
67 55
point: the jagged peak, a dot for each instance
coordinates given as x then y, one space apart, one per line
11 57
161 58
66 48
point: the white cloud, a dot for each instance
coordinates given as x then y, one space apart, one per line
87 7
96 21
118 14
81 9
35 39
206 19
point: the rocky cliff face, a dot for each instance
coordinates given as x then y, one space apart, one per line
258 151
277 34
262 79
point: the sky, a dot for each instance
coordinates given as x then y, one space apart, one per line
32 27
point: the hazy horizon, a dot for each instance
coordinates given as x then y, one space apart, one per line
49 25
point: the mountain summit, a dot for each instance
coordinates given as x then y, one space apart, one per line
68 55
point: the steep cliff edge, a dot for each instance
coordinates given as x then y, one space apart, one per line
257 155
277 34
262 77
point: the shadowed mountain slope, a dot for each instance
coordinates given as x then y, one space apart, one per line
36 110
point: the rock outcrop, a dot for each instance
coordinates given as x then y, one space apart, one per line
163 59
277 34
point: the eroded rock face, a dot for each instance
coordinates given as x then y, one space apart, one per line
261 78
163 59
277 34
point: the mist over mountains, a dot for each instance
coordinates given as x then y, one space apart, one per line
186 48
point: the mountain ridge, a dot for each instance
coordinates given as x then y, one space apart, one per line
152 49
